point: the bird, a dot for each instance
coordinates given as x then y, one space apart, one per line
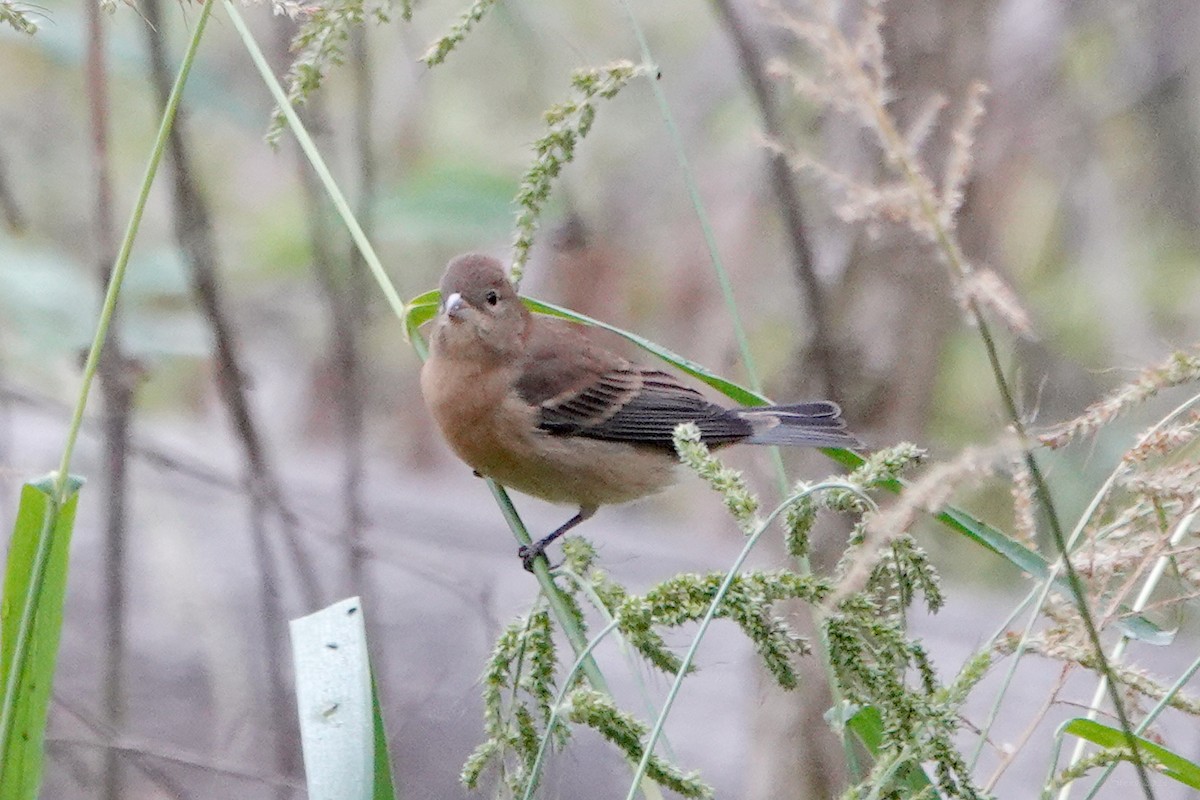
533 403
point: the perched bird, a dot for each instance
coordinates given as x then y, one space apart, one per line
532 403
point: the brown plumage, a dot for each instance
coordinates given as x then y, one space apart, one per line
531 402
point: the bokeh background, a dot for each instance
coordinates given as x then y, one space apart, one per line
257 447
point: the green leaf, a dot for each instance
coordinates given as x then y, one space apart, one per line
1173 765
867 725
37 516
384 782
341 728
420 310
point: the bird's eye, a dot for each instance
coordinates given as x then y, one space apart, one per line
492 298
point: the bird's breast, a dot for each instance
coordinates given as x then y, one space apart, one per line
493 430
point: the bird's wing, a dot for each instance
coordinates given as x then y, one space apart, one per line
583 390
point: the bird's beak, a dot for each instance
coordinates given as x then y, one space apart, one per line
455 306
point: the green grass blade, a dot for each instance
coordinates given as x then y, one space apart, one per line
418 311
385 784
1174 765
341 730
40 544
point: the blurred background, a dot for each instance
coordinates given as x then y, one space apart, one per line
257 448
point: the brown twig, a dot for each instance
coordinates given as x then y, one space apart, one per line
787 195
1009 754
145 753
274 622
61 751
117 386
193 232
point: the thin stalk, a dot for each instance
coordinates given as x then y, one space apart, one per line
1054 754
117 391
562 612
994 712
710 615
1035 721
626 649
554 595
354 310
1042 490
547 735
192 221
273 620
787 195
37 580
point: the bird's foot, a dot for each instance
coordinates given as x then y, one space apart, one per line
529 553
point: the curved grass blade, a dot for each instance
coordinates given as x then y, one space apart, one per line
420 310
37 516
1173 765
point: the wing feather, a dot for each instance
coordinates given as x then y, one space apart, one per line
583 390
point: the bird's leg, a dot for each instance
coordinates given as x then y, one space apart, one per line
530 553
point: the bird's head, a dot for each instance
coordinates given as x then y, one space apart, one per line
480 316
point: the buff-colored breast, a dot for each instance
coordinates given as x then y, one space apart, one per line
496 433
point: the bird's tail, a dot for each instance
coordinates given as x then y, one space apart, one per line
815 424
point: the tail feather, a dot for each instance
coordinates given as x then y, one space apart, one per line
815 424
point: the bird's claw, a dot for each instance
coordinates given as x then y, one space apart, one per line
528 554
531 553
